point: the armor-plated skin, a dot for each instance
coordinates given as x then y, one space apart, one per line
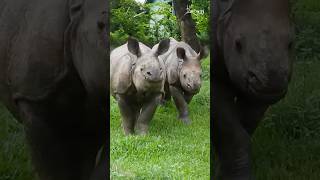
183 81
137 79
53 69
251 70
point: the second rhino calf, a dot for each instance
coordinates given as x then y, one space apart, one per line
183 75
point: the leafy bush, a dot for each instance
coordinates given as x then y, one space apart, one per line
152 22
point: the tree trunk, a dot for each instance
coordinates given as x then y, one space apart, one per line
186 24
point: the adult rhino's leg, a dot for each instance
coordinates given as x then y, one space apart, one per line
231 140
251 114
147 111
127 114
181 104
59 149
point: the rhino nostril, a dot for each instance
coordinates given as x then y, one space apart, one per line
188 85
252 77
149 73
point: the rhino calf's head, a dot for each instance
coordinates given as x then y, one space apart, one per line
257 38
190 72
149 72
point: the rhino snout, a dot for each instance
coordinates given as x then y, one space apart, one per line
193 87
273 84
153 76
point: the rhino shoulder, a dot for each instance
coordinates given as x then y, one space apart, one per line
121 74
172 69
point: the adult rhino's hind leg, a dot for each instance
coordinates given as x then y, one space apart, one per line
59 150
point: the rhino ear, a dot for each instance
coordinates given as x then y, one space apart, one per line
133 46
181 53
163 47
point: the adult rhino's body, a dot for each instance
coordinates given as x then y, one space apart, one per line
53 68
136 81
183 75
251 71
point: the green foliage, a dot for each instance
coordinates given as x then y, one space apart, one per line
152 22
306 14
143 22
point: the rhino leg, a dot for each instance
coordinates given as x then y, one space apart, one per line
128 114
231 140
252 114
147 111
60 150
167 96
188 97
181 104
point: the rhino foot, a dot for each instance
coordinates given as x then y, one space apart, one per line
142 129
185 119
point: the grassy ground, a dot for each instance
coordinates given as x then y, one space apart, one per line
172 150
15 163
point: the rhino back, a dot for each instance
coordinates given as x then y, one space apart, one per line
31 46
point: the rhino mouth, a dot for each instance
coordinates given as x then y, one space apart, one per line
267 96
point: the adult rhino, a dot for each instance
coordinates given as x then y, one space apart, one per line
251 71
53 69
136 81
183 75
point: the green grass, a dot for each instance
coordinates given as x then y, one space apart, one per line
15 163
287 143
171 150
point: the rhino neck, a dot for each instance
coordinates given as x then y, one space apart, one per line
83 52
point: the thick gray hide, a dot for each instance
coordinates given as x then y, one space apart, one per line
183 75
53 69
137 80
123 64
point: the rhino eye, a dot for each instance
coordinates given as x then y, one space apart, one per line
141 69
184 76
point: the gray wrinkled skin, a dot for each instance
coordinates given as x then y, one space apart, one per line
251 71
183 69
53 68
137 79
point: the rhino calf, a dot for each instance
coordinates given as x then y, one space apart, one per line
137 82
183 70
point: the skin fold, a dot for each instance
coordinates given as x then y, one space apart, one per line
53 64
